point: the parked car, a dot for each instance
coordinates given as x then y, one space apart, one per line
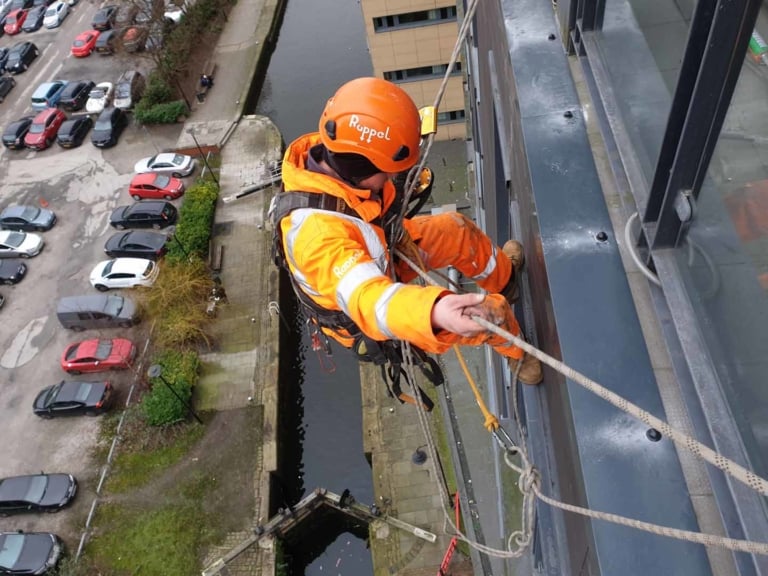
55 14
14 21
29 552
19 5
107 42
134 38
2 300
177 165
84 43
155 214
108 127
3 58
129 89
20 56
47 95
155 37
100 97
137 244
97 311
125 15
123 273
44 127
73 131
45 3
36 493
104 18
15 244
73 399
34 19
12 271
98 355
7 83
13 136
155 185
75 95
27 218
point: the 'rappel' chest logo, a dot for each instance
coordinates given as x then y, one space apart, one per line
366 132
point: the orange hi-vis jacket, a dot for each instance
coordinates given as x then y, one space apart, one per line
342 262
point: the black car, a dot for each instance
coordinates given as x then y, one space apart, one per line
19 4
36 493
29 552
73 399
106 43
27 218
104 18
34 19
6 85
137 244
12 271
73 131
13 137
3 58
20 56
145 214
108 127
75 95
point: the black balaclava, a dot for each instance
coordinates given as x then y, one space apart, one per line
352 168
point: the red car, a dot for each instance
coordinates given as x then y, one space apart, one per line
98 355
14 21
84 43
42 131
155 185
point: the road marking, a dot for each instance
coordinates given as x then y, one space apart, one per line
35 83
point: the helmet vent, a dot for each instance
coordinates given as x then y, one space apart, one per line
330 128
402 153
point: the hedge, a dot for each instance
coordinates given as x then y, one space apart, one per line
193 232
180 370
163 113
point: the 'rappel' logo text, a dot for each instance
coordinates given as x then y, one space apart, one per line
366 132
348 263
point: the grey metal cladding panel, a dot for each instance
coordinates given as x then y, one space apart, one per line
600 336
538 62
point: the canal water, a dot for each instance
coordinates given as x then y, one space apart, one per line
321 45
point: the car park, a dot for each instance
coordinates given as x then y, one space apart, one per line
13 135
126 14
14 21
29 552
96 311
137 244
75 95
42 131
12 271
129 89
108 127
73 399
55 14
20 56
155 185
104 18
100 97
177 165
47 94
84 43
34 19
6 85
98 356
107 42
155 37
123 273
155 214
27 218
134 38
36 493
15 244
73 131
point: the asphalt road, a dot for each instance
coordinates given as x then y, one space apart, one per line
82 186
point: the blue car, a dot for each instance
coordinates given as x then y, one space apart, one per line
48 94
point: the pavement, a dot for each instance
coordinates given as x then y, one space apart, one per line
242 369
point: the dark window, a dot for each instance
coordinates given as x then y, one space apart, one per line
421 73
412 19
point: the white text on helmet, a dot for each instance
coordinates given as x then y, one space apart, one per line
366 132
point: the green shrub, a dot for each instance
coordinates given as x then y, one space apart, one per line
160 405
165 113
158 91
193 231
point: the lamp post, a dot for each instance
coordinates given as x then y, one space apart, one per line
205 159
156 371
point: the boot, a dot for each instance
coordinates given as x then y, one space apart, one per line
530 372
513 250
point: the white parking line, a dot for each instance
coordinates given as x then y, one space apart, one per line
37 82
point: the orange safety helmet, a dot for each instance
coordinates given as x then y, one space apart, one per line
375 119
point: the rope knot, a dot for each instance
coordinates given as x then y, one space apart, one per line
529 480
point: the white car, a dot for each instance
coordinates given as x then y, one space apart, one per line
19 244
55 14
124 273
177 165
100 97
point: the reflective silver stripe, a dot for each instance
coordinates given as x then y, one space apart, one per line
382 306
489 267
352 281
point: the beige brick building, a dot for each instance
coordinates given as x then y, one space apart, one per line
411 42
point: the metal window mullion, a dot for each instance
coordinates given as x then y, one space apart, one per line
719 71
